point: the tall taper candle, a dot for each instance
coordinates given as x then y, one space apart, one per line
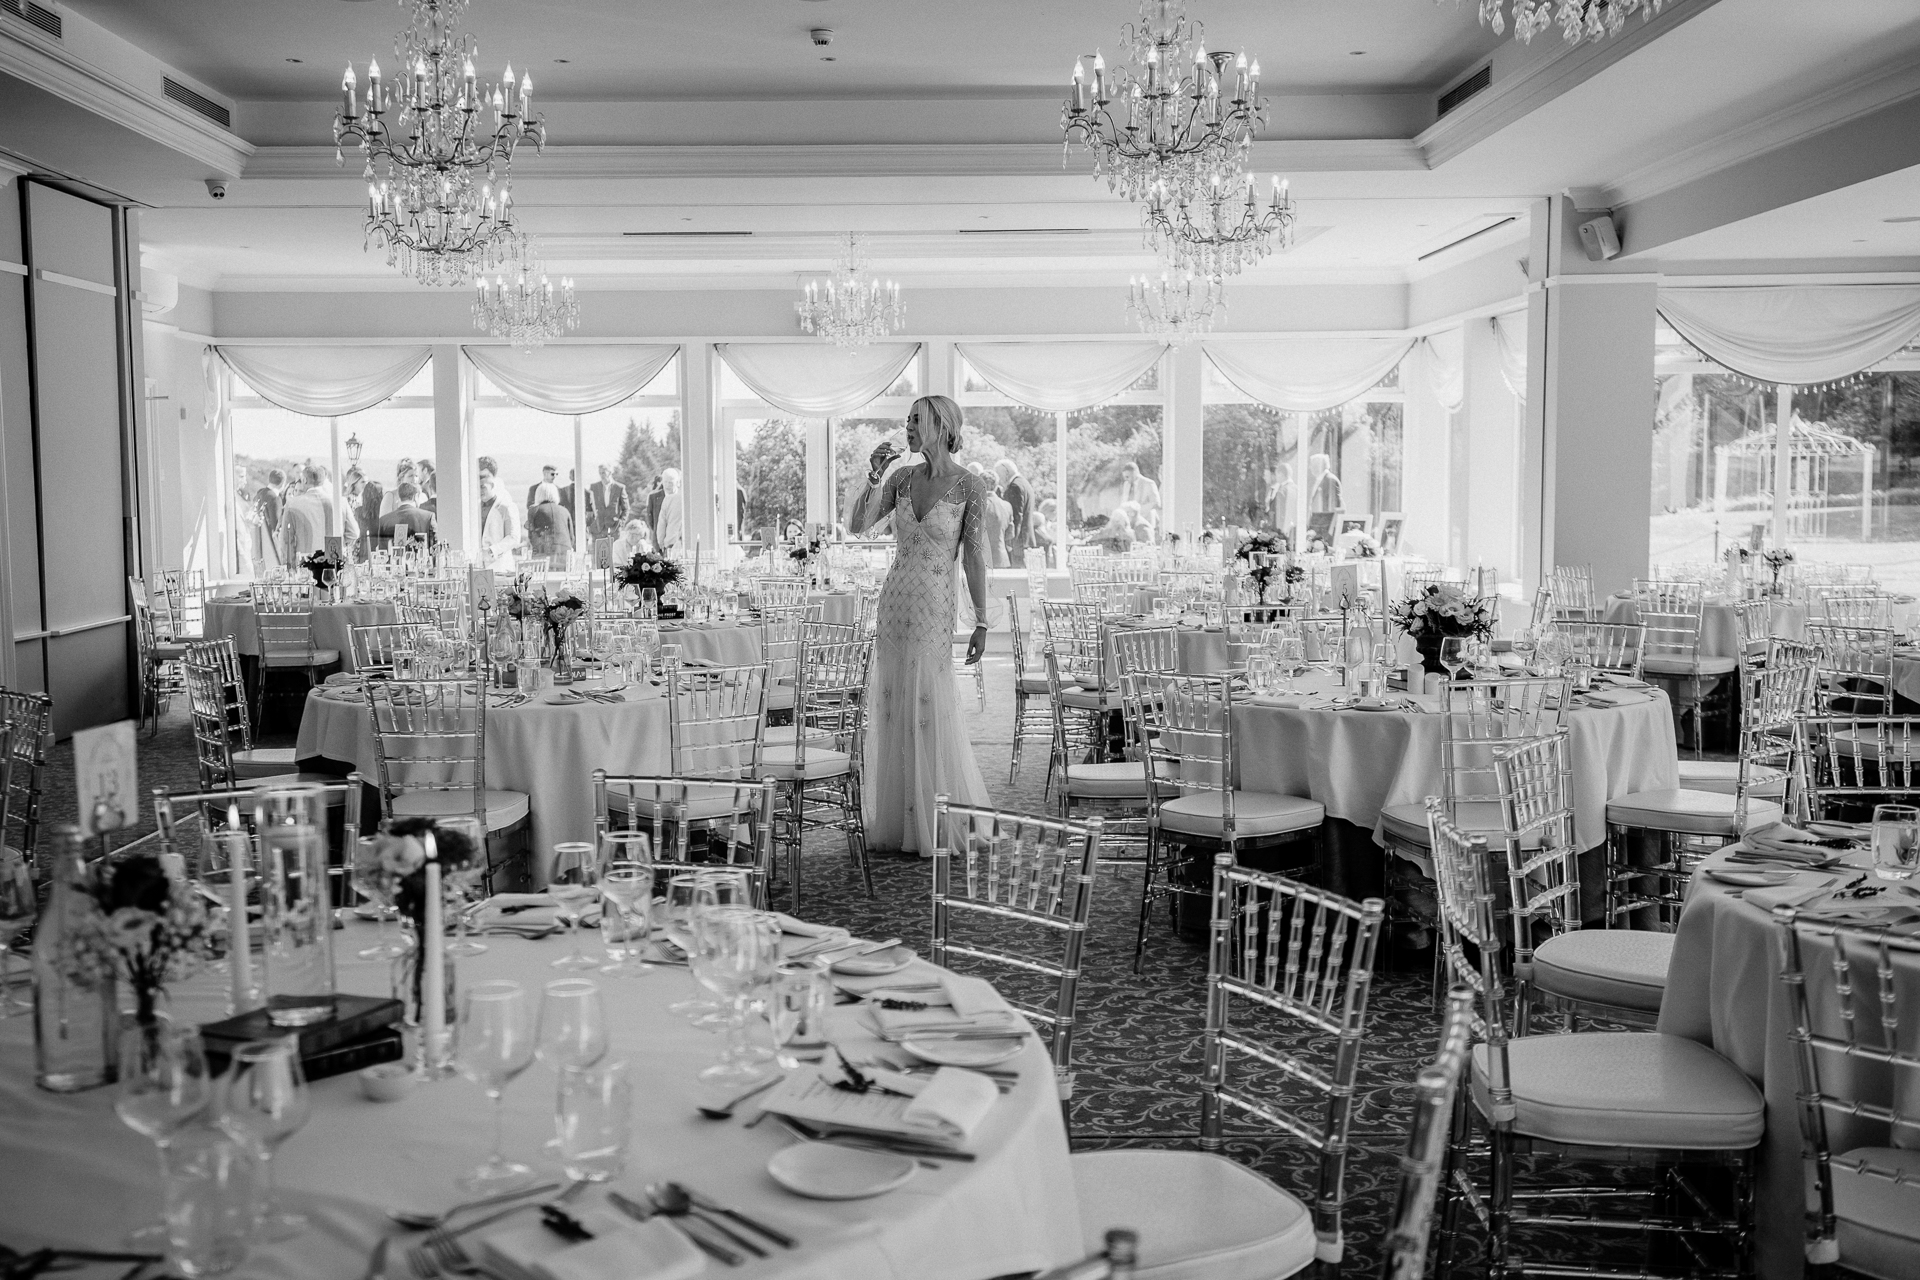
239 946
433 971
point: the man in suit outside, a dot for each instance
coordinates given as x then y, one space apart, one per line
607 499
548 475
418 520
499 525
1018 495
1135 487
368 506
655 496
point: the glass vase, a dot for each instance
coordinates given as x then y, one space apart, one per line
408 975
76 1019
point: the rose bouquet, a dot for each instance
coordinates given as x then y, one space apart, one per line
320 562
1443 609
146 926
649 569
1262 555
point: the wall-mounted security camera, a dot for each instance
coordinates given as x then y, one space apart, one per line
217 188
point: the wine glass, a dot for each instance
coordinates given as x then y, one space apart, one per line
677 911
163 1085
1291 652
371 881
572 882
1525 641
462 887
18 906
734 950
493 1044
1453 655
572 1028
263 1103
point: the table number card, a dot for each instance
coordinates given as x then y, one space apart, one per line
107 776
1343 585
603 553
335 545
480 586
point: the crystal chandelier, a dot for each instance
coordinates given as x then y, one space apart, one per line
522 304
850 308
439 184
1170 114
1223 232
1579 19
1176 307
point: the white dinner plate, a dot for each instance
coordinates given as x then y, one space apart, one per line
1374 706
873 965
825 1171
963 1053
1749 879
563 699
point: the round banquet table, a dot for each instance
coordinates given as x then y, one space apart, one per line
1720 625
545 750
1727 951
1011 1210
332 624
1356 763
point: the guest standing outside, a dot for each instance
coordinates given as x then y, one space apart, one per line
1019 496
549 525
607 499
669 522
499 525
418 522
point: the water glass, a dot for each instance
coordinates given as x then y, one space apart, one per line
594 1121
1896 841
735 951
573 881
211 1192
164 1085
572 1030
798 1000
1260 673
625 911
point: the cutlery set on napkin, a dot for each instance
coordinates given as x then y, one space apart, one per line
535 915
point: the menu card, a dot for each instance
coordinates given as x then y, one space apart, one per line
948 1111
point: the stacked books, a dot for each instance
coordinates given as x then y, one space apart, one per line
363 1030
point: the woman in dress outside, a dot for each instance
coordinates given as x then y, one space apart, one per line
917 745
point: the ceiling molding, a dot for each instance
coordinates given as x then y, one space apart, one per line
1859 96
848 160
1520 88
60 73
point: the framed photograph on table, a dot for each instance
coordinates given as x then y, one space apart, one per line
1356 524
1388 536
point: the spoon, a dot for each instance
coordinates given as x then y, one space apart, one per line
725 1110
415 1220
672 1199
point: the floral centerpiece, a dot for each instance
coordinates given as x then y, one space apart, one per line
1777 559
648 571
1262 555
806 550
1444 609
320 562
146 926
557 615
399 855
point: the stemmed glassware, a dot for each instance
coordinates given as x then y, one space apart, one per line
576 875
18 907
1453 655
493 1044
372 882
735 951
264 1102
572 1030
463 886
626 889
1525 641
1291 654
163 1085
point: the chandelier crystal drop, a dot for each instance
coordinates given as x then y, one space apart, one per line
850 308
522 304
1219 235
1578 19
1168 112
439 179
1176 306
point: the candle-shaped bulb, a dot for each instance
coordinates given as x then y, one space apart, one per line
233 817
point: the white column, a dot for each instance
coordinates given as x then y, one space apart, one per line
1182 440
1490 509
702 480
940 379
582 538
456 495
819 463
1060 487
336 520
1782 461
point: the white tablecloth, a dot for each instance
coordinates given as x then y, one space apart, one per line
1358 762
1724 990
92 1178
549 752
332 624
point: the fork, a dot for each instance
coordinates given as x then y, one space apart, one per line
442 1250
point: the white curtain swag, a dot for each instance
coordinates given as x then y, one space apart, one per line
1061 376
1510 340
325 381
814 379
1306 374
570 378
1796 335
1440 360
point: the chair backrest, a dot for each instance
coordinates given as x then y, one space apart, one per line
215 804
1482 719
869 611
1076 636
419 615
1670 611
213 730
830 699
1844 765
1541 856
1303 958
1572 587
283 593
1024 885
1607 646
27 719
1851 607
375 643
1471 946
1753 620
814 631
1773 698
286 631
1852 986
779 592
430 736
1186 735
1542 608
1856 667
693 821
1146 648
1118 1255
781 630
717 719
1017 635
1423 1163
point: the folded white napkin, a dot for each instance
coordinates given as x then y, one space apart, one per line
521 1249
539 910
805 929
953 1103
651 1250
969 1004
1802 890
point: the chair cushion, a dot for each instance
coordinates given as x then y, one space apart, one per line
165 651
1627 1089
780 697
1704 665
262 761
504 808
1695 813
1035 685
778 762
1625 968
321 658
1083 699
1723 776
783 735
712 804
1122 780
1879 1227
1408 822
1255 813
1199 1216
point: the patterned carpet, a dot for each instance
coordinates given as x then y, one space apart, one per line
1138 1052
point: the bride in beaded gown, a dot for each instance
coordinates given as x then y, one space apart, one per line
916 739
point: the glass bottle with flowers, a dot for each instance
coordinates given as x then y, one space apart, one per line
1443 610
558 614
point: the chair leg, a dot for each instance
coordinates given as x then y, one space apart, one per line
1146 897
1500 1202
1452 1174
1019 727
856 828
795 799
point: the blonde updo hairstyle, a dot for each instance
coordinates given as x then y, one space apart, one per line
946 418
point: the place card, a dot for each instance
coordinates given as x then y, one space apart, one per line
107 776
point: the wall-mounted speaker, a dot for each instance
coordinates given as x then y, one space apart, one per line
1600 239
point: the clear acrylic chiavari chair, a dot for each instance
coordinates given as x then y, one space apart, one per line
1612 648
1032 700
27 719
1845 765
1573 600
818 773
286 644
716 720
1077 677
1423 1163
1622 1102
1672 613
1289 979
693 822
1856 668
222 734
373 645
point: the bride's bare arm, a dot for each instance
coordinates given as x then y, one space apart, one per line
875 500
973 558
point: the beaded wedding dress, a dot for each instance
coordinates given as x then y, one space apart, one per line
917 744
